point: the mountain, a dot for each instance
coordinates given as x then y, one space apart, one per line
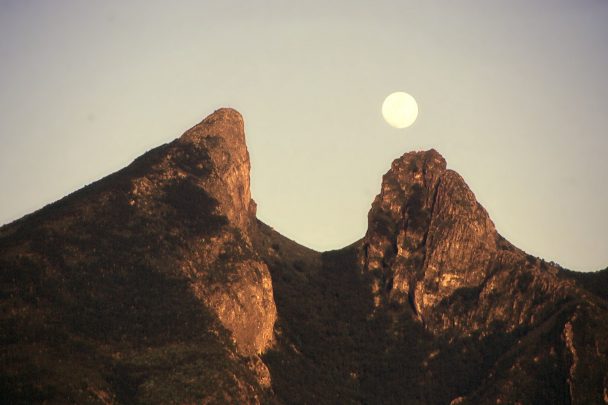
144 286
158 284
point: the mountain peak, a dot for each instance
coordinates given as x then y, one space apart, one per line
420 159
420 169
427 235
219 142
226 123
161 273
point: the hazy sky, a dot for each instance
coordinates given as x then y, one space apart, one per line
513 94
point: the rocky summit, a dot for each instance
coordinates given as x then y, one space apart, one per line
158 284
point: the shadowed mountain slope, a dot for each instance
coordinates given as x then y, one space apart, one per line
157 284
433 306
142 287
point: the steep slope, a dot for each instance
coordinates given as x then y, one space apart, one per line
329 348
157 284
430 245
144 286
595 282
433 306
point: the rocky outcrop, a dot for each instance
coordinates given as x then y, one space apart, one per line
157 284
222 137
427 236
431 247
151 268
206 172
244 304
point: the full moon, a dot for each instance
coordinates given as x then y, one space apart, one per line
400 110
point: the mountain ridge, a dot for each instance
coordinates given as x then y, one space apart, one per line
158 284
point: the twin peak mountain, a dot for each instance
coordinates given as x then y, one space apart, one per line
158 284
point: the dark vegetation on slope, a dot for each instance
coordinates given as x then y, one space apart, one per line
334 347
94 309
158 285
594 282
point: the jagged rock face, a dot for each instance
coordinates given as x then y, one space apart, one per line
246 305
461 242
427 235
432 247
222 136
211 161
157 285
148 267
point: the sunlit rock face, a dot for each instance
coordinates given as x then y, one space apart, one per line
221 135
242 298
427 235
157 284
205 174
431 247
153 272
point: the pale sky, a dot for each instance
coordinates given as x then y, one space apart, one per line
512 93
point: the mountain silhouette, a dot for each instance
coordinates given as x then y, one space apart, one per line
158 284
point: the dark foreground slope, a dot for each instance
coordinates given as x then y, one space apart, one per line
158 284
331 348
